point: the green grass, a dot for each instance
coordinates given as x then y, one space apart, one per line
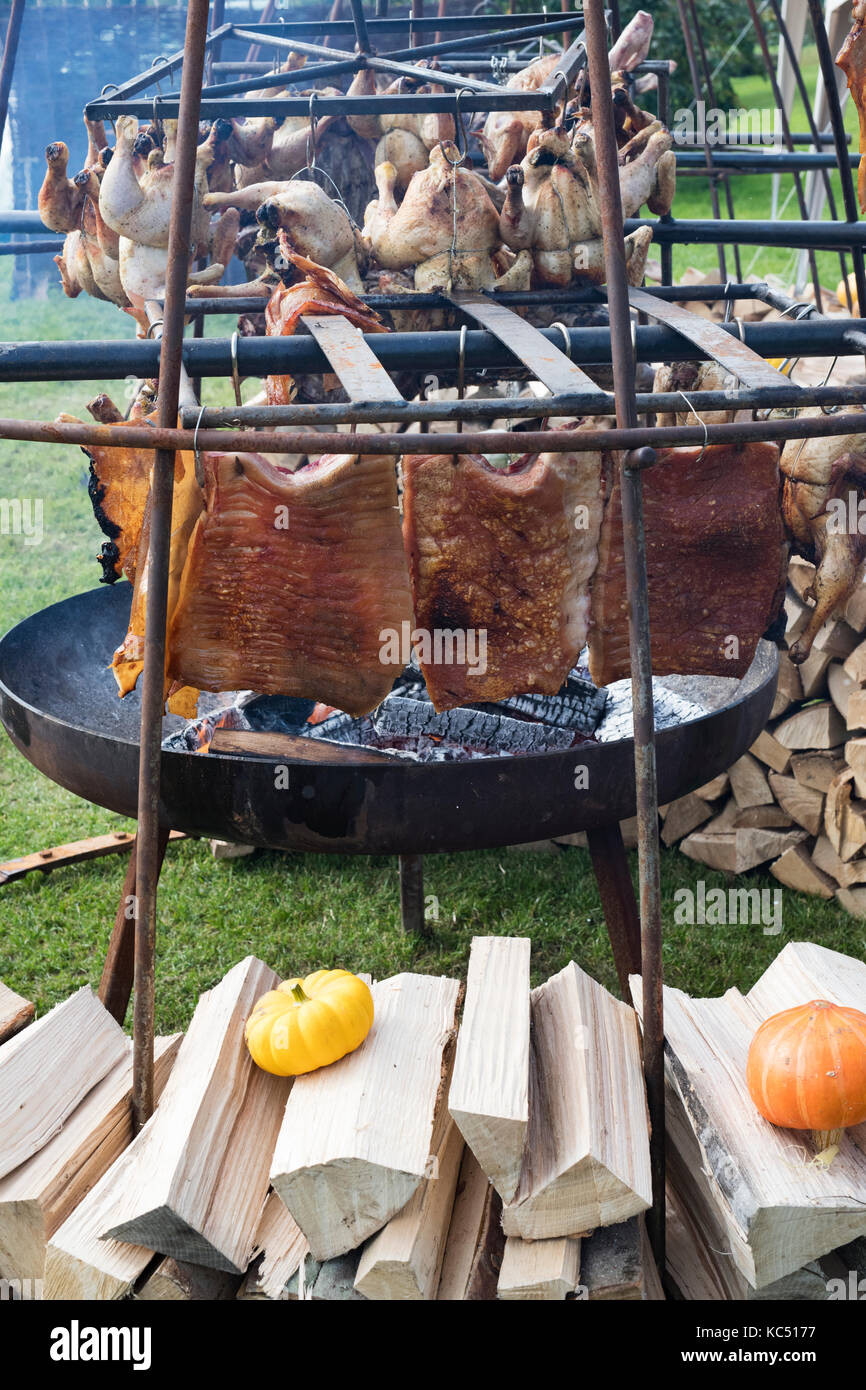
301 911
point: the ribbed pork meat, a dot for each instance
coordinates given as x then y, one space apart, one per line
503 560
295 584
716 563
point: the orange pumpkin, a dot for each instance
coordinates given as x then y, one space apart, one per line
807 1069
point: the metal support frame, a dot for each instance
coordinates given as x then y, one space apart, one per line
623 349
7 65
150 830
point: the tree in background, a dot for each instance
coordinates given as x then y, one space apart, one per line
722 25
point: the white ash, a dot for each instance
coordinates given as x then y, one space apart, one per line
669 706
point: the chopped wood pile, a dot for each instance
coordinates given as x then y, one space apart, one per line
754 1213
356 1181
796 801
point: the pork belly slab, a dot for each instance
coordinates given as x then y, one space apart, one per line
294 582
716 563
505 554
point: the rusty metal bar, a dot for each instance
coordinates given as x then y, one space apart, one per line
551 366
412 894
708 79
481 441
7 66
153 675
631 487
722 346
708 153
352 361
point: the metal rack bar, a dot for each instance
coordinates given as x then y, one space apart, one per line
646 786
551 366
162 487
352 361
712 338
7 65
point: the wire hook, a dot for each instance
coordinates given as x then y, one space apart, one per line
566 337
461 371
236 381
701 422
311 134
199 466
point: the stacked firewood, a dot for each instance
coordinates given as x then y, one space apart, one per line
507 1160
421 1166
796 801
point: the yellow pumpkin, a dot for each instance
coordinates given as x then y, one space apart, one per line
306 1024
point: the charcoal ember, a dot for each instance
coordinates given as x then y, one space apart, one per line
474 729
576 709
669 708
341 728
282 714
195 736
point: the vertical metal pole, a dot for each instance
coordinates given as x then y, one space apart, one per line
622 355
667 250
412 893
7 67
417 13
708 80
837 123
708 154
153 675
360 26
217 21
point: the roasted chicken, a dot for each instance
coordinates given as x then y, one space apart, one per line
446 227
551 210
852 60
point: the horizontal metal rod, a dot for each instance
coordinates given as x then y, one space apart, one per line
400 23
15 220
277 37
30 248
479 408
488 441
428 352
391 103
481 61
250 304
783 162
802 137
819 236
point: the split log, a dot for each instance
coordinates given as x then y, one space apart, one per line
335 1281
855 757
47 1070
789 690
813 674
763 818
797 615
855 608
356 1136
280 1246
539 1270
475 1242
854 665
837 638
801 576
39 1195
749 783
802 971
797 869
771 752
711 791
489 1093
724 821
15 1012
844 819
404 1261
587 1155
856 716
176 1281
840 685
778 1209
194 1182
802 804
814 726
697 1255
845 873
738 851
817 770
617 1265
853 900
685 815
